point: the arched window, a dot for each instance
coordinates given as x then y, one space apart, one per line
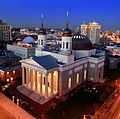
85 72
77 78
69 83
41 42
67 45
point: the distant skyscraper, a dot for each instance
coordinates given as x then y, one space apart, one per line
5 31
92 31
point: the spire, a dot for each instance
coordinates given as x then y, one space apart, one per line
42 21
67 20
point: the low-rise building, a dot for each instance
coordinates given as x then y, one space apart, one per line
24 49
10 67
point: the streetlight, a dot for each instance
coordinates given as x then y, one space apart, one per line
17 102
13 98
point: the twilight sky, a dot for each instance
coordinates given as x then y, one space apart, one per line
26 13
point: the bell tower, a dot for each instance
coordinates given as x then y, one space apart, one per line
42 35
66 37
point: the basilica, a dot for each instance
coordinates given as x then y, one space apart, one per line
52 73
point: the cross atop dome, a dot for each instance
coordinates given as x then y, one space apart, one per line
42 30
67 31
41 20
67 20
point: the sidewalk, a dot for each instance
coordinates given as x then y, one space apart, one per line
13 109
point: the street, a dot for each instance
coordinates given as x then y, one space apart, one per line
4 114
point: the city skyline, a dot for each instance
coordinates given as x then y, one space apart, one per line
27 14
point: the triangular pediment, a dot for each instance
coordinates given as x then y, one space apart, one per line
34 63
46 62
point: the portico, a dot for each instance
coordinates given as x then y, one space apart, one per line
39 78
43 83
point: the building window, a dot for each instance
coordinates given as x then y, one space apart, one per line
85 72
77 79
69 83
41 42
7 73
67 45
92 65
7 80
13 71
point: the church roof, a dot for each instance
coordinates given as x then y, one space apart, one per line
81 42
47 61
67 32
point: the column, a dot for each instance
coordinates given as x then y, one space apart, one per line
23 76
40 83
31 82
35 76
52 81
27 80
46 85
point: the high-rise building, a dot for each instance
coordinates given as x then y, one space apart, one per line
92 31
5 31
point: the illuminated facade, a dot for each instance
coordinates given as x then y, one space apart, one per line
9 67
51 73
92 31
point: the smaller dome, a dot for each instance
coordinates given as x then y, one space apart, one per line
42 31
67 32
28 39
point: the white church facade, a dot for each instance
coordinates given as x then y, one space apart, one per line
51 73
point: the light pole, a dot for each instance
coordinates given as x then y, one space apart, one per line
13 98
17 102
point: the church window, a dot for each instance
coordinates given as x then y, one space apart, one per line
77 79
41 42
85 72
67 45
69 83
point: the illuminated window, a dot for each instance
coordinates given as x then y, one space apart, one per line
69 83
7 73
7 80
85 72
77 79
14 72
11 78
92 65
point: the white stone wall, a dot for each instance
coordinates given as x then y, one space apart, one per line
41 37
84 53
22 52
65 40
